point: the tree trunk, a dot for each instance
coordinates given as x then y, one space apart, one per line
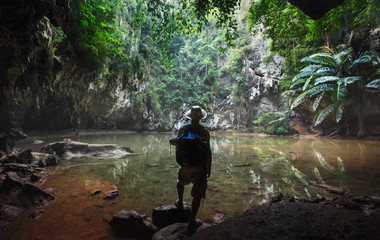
361 111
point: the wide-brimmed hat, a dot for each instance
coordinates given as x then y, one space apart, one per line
196 113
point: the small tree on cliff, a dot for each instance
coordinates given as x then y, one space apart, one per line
340 80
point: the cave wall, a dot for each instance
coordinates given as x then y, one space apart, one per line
26 59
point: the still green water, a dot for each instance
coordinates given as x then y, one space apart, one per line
246 171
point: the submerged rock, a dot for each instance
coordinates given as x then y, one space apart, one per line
68 149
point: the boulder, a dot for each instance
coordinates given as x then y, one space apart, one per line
46 159
16 133
68 149
176 231
171 232
6 144
26 156
166 215
132 223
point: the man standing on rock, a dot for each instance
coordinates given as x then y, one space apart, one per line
199 169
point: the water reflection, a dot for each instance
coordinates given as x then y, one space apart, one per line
246 170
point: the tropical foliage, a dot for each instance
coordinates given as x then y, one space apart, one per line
294 35
339 79
100 36
273 123
167 53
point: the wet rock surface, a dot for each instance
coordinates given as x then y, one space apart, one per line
20 177
68 148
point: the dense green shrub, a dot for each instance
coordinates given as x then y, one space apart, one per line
273 123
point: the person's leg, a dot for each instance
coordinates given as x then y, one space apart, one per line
180 190
194 208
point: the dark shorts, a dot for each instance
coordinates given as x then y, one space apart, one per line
194 175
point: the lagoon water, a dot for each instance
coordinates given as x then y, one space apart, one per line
246 171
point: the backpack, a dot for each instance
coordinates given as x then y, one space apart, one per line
189 148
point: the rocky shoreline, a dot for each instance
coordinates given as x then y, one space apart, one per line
21 174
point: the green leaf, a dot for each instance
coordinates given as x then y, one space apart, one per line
342 56
326 79
306 85
348 80
311 68
298 82
317 101
363 59
311 92
340 109
322 115
373 84
326 71
321 58
303 75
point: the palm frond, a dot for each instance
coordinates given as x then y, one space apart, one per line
288 93
317 101
311 92
366 57
363 59
326 79
322 115
312 67
373 84
321 58
303 75
328 50
325 71
342 56
348 80
298 82
340 109
341 92
306 85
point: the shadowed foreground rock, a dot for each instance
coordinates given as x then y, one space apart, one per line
344 217
20 175
130 223
133 224
166 215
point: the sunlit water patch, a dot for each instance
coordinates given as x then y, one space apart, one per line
246 171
